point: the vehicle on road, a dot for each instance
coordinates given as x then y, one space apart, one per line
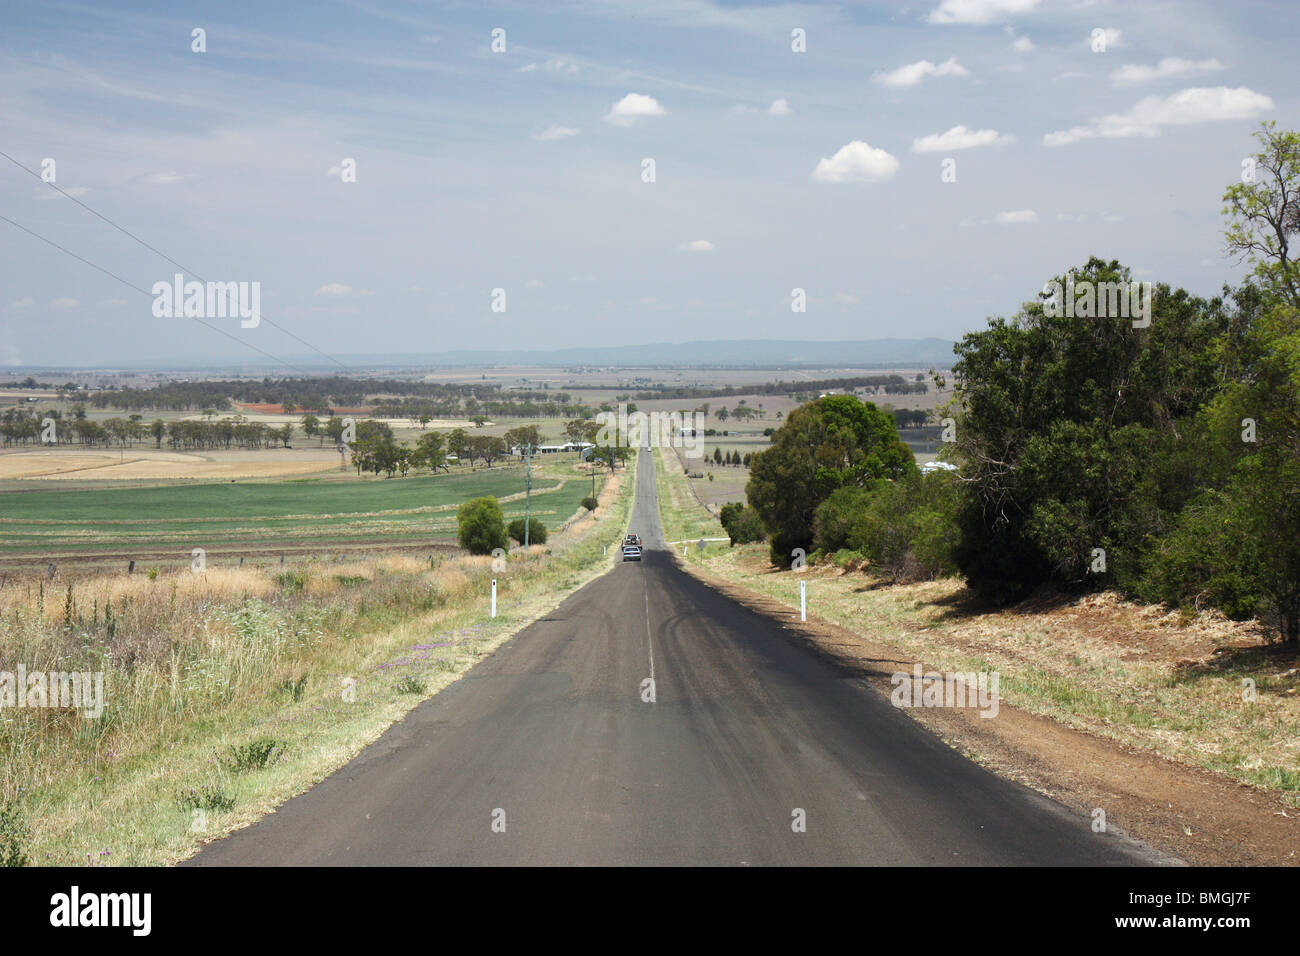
631 552
632 539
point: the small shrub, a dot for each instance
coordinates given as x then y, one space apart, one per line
410 684
254 755
536 531
481 526
153 574
846 559
291 580
589 503
205 798
14 834
742 523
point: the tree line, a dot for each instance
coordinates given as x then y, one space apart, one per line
899 385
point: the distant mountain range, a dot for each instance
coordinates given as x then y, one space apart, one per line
723 353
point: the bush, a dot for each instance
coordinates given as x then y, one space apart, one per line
1218 552
590 503
14 834
742 523
836 515
410 684
205 798
254 755
291 580
481 526
536 531
906 529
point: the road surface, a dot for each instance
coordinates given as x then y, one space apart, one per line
546 753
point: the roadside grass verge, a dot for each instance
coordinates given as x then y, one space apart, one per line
681 514
230 691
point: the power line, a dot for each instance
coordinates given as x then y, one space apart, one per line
164 255
145 292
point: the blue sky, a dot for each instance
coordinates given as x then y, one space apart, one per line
522 170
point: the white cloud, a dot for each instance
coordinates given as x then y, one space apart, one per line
743 109
698 245
1022 44
1170 66
914 73
65 303
959 137
856 162
26 302
534 284
1184 108
527 68
779 107
1013 216
338 288
978 11
632 107
557 132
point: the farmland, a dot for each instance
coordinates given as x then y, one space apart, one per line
164 522
115 490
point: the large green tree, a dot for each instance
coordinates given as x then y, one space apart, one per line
1074 432
834 442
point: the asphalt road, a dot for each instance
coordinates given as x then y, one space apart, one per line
546 753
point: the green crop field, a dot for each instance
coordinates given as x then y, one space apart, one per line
266 516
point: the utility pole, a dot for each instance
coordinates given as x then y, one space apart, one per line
528 486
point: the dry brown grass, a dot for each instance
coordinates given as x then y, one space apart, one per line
1139 674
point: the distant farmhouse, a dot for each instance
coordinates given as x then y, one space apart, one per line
568 446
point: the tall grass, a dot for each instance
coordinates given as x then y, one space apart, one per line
187 645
